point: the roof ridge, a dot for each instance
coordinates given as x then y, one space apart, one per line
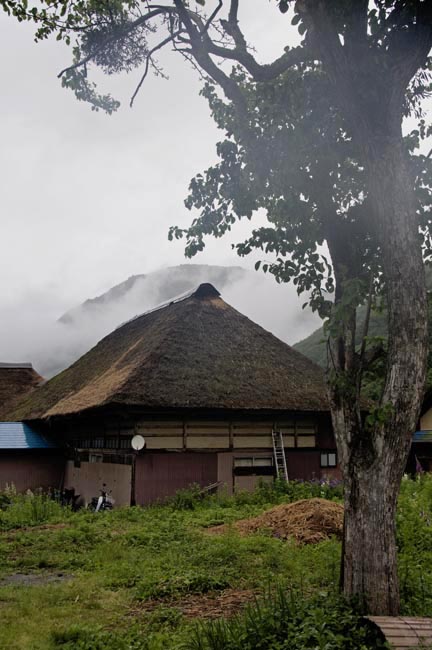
205 289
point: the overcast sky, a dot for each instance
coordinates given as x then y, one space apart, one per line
87 199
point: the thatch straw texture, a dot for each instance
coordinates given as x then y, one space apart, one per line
15 382
194 353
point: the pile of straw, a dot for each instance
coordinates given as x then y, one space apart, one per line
307 521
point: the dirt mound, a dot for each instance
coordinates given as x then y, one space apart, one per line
308 521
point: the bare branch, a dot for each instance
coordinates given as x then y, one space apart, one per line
169 39
201 55
241 54
232 16
213 15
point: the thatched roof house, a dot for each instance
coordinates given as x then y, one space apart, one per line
204 386
196 352
16 381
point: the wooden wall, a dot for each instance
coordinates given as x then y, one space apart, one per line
160 475
219 434
187 448
88 478
30 470
426 421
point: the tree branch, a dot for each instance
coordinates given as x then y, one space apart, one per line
364 336
213 15
136 23
232 16
240 52
409 48
170 39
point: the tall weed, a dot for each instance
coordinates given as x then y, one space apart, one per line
29 509
278 491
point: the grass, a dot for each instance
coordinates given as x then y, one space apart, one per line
113 563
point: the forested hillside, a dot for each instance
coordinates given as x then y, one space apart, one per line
315 348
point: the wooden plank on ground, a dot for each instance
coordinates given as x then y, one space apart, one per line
404 631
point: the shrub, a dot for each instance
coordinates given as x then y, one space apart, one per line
187 498
192 497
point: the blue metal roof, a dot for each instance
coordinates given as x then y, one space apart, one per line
422 436
18 435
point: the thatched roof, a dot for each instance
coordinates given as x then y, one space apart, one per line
16 381
196 352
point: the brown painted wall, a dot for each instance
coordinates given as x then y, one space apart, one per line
161 475
225 472
303 465
29 470
331 473
250 483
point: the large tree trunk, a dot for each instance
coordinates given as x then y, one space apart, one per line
369 552
373 455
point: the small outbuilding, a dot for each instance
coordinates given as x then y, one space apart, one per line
420 458
204 386
28 460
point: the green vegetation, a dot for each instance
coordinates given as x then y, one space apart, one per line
119 580
315 348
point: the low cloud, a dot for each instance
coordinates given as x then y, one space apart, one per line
30 329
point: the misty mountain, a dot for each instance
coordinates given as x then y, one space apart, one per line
145 291
32 331
275 307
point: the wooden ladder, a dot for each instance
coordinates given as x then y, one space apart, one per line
279 455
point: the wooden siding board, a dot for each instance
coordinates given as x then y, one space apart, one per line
89 477
164 442
306 441
251 442
30 470
160 431
160 475
303 464
208 442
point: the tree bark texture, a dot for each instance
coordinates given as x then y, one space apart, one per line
373 455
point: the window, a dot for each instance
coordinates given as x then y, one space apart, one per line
328 459
95 458
256 465
243 462
263 462
110 442
256 461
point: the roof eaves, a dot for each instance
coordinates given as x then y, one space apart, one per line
20 435
16 365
